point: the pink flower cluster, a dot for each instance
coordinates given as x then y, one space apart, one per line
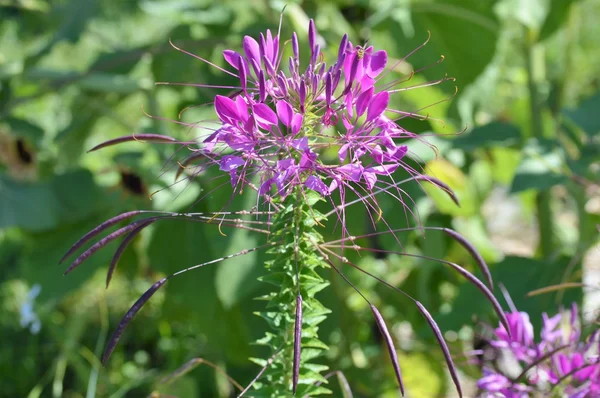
279 122
560 364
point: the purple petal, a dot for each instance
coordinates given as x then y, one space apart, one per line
377 64
384 169
342 49
270 67
348 99
351 171
302 94
370 178
317 185
230 162
264 115
300 144
285 164
252 51
285 112
265 186
297 123
262 86
353 72
328 89
307 160
334 185
363 101
312 34
269 44
243 73
399 152
226 108
261 46
282 84
366 82
242 108
343 152
347 123
378 104
232 58
295 48
315 54
376 153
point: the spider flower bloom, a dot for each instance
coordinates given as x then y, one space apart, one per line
283 117
559 364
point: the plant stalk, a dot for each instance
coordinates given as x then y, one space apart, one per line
543 198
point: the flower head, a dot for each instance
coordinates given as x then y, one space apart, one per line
286 120
560 361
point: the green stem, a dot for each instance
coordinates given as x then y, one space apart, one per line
293 271
543 198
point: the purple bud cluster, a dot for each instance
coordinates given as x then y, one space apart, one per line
560 365
280 122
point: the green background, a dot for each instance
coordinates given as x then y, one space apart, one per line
519 144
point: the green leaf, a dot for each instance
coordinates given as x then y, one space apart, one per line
44 205
539 168
40 262
110 83
559 11
193 297
75 16
452 24
495 134
120 62
586 116
236 278
532 176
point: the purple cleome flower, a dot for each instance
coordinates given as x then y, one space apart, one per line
280 121
560 364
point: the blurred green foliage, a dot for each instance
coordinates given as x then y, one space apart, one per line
74 73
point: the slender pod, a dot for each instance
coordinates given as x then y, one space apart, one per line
297 343
97 230
135 308
101 243
123 246
136 137
389 344
440 339
474 253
